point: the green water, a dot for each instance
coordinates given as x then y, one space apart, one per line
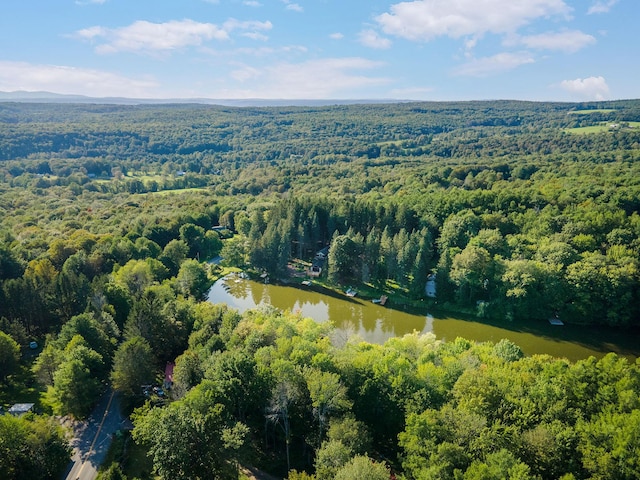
375 323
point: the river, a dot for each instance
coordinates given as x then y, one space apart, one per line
375 323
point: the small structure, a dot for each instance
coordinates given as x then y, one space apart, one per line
380 301
306 283
430 287
168 375
351 292
315 271
556 321
19 409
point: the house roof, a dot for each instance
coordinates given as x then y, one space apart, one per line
168 372
21 408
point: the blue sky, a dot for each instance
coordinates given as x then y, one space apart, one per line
569 50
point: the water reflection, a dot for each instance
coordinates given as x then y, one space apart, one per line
376 324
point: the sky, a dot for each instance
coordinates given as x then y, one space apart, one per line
561 50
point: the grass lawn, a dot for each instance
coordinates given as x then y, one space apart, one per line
603 127
131 457
21 387
588 111
588 130
178 191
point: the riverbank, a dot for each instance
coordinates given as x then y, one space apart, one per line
358 316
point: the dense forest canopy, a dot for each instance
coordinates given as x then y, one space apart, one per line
508 202
518 209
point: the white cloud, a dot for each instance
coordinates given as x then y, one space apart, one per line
601 6
70 80
90 2
147 37
245 73
336 36
252 3
294 7
592 88
256 36
424 20
233 24
314 79
569 41
487 66
370 38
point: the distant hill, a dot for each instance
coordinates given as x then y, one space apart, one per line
49 97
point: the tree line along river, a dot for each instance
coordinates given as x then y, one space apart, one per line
375 323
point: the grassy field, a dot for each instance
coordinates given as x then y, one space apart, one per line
177 191
602 127
589 129
21 387
587 112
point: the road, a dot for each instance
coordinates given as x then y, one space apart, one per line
91 438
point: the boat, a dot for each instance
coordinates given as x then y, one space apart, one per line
380 301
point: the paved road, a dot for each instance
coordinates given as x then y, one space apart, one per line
91 438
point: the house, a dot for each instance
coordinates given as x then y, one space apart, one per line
430 287
19 409
168 375
315 271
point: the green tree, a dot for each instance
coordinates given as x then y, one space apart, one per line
76 382
234 251
47 363
283 396
353 433
471 270
189 439
32 447
132 366
136 275
9 355
91 331
344 259
363 468
328 396
192 279
153 318
532 289
501 465
610 445
114 472
332 455
173 254
187 373
194 237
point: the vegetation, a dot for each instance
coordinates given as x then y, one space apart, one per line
108 216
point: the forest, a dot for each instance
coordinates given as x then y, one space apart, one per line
519 210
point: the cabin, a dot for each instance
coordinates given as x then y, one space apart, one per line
19 409
430 287
315 271
168 375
